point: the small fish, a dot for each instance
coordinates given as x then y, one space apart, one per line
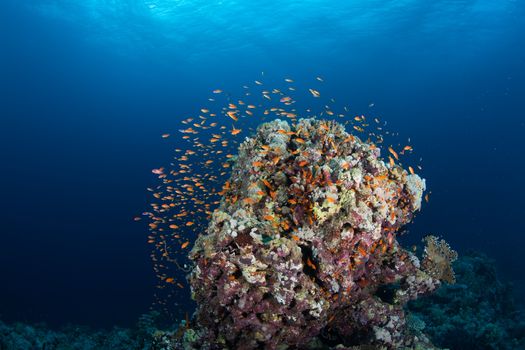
165 136
217 91
311 264
314 93
411 170
390 238
190 223
158 171
391 150
185 244
299 140
232 115
257 164
391 161
235 131
267 184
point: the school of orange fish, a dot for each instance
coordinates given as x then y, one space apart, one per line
191 187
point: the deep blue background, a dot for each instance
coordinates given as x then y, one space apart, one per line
87 88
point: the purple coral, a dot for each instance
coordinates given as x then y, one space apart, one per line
302 248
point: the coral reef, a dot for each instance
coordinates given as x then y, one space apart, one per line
20 336
303 246
478 312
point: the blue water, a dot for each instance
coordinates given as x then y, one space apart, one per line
87 87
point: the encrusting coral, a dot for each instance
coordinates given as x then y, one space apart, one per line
303 248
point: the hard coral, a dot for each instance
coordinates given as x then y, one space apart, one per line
303 245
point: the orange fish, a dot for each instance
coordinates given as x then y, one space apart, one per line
232 115
267 184
391 150
391 161
185 244
311 264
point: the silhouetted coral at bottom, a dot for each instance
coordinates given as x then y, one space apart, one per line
20 336
478 312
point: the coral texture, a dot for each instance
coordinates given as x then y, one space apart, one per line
478 312
303 246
